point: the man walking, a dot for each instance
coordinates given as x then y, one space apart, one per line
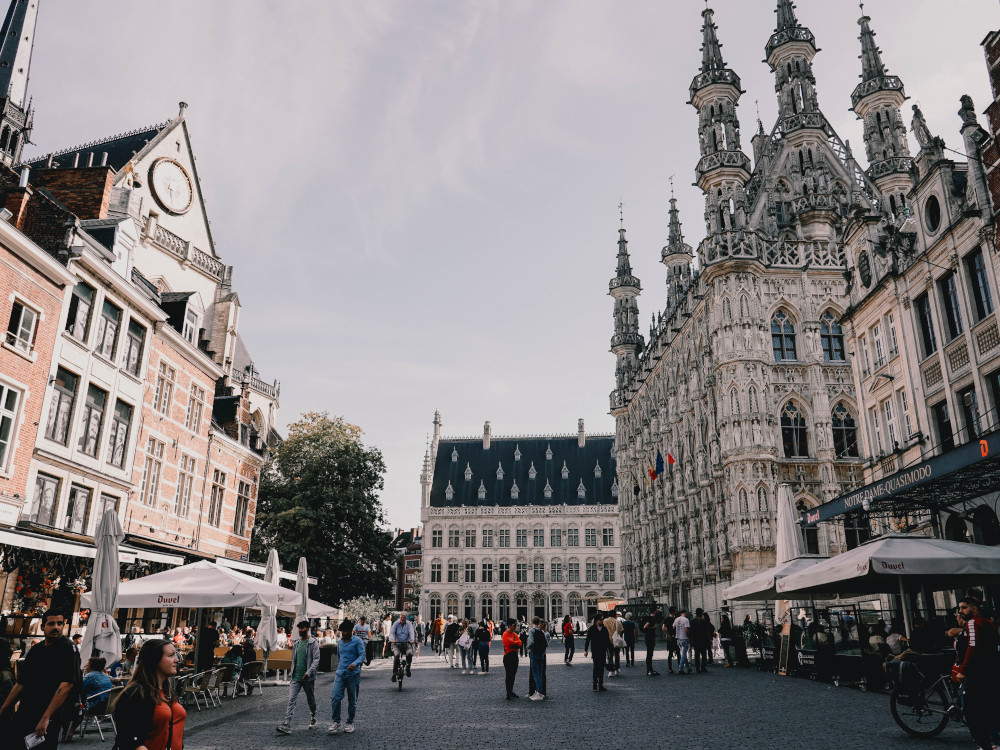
648 628
537 643
598 643
978 673
363 631
402 637
451 633
49 673
437 630
511 646
305 662
671 636
682 626
350 657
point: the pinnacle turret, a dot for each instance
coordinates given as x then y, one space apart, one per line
874 75
675 238
786 15
713 67
623 272
627 342
17 38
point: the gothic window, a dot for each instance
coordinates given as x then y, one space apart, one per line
614 488
727 310
744 502
762 500
744 306
832 336
845 432
581 491
4 138
793 431
597 470
517 453
548 453
782 337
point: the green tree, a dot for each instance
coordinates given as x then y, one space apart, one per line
318 497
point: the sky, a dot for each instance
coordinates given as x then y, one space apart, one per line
421 199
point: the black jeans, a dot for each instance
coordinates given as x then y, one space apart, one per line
599 660
700 657
570 649
650 647
980 701
727 649
629 652
614 659
510 666
672 651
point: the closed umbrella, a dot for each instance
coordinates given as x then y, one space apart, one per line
102 634
267 630
302 591
789 542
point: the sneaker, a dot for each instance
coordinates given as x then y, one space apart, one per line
463 671
284 728
333 728
393 676
536 697
602 689
348 728
312 722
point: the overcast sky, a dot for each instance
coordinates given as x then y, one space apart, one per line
420 199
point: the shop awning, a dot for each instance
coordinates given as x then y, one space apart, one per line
43 543
968 471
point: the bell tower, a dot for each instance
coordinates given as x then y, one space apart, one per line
17 37
627 342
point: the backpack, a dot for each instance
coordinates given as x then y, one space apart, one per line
538 641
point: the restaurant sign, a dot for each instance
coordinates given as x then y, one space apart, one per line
902 481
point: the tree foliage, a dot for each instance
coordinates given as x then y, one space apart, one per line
365 606
318 497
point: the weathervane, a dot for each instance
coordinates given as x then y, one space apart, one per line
621 212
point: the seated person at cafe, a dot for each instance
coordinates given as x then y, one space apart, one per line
122 667
96 681
189 659
234 656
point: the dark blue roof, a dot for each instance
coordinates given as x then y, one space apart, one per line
120 150
593 465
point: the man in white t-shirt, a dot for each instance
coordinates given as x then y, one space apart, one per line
363 631
682 626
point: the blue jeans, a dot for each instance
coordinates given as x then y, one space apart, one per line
537 671
683 662
293 694
465 658
350 683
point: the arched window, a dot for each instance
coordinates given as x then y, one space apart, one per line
845 432
744 306
557 606
782 336
4 138
452 605
503 607
575 605
762 500
727 309
487 606
832 336
793 431
435 606
470 607
13 143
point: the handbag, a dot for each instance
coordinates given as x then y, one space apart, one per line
465 641
618 641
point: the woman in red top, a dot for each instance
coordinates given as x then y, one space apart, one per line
148 714
568 639
511 647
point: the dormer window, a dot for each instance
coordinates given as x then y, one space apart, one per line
565 471
597 470
548 490
581 491
531 471
499 471
454 455
517 453
514 492
468 472
482 490
614 488
191 326
449 492
548 453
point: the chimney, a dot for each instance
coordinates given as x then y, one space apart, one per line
486 436
104 158
581 436
76 160
25 172
90 159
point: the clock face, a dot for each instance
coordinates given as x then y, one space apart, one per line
171 185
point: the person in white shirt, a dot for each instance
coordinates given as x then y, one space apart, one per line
681 627
363 631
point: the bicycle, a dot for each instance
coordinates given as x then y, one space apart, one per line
399 668
927 711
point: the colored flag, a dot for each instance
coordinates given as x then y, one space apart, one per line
659 462
652 471
670 458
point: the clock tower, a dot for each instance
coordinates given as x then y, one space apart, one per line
17 37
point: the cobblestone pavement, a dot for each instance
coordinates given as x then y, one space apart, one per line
442 708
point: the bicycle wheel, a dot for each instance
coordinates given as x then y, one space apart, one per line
399 676
927 718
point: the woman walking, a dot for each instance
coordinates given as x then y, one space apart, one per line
483 637
726 639
148 712
511 647
465 646
568 641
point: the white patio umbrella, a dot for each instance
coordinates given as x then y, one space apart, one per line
898 563
267 630
102 634
302 590
763 586
789 541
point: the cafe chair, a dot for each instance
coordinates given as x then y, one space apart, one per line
214 683
101 711
198 685
225 678
251 676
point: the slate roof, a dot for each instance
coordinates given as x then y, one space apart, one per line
121 148
456 456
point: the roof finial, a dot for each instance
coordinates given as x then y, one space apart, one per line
621 212
671 181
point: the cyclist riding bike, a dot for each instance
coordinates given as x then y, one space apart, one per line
402 638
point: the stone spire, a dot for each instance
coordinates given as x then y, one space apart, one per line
711 47
786 16
627 342
676 255
17 38
789 53
877 101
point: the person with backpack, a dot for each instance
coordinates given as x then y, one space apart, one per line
482 644
568 639
538 641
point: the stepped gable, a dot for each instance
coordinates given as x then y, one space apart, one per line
120 149
487 463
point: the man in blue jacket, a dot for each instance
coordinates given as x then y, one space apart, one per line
350 657
305 662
